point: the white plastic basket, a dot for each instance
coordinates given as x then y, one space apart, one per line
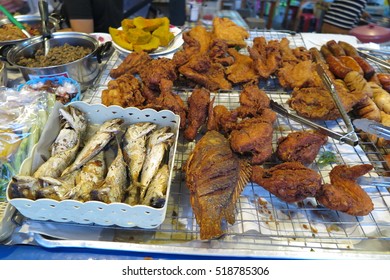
97 212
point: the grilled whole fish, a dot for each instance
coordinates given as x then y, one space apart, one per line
156 192
24 187
113 187
157 144
65 140
134 150
91 175
56 164
96 143
76 119
215 177
57 189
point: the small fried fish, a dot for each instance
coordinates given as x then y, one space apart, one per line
96 143
156 192
114 185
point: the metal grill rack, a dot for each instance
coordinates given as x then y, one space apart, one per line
265 226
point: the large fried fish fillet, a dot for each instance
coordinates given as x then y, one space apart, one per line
215 177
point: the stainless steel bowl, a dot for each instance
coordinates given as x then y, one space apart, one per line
83 70
34 21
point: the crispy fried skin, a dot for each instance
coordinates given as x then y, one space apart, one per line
215 177
252 100
227 30
254 139
301 146
124 91
343 193
133 63
198 104
241 71
266 56
289 181
156 70
317 103
301 74
203 71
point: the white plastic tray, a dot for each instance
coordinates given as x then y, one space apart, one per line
90 212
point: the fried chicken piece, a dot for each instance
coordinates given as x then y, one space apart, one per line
343 193
170 101
218 53
204 72
241 71
300 146
156 70
252 101
299 75
215 177
289 181
266 57
227 30
198 104
124 91
202 36
286 52
133 63
318 104
255 139
221 119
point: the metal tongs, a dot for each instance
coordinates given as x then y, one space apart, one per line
46 34
349 138
373 127
365 53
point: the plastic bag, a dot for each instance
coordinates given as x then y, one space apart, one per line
23 116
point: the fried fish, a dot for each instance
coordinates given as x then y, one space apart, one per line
215 177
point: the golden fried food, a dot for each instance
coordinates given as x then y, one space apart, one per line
289 181
266 56
198 105
124 91
343 193
300 146
227 30
133 63
215 177
241 71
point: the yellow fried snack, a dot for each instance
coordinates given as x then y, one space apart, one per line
153 44
150 24
141 34
120 38
138 36
163 34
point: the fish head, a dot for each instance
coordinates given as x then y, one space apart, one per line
112 126
139 130
24 186
75 118
157 202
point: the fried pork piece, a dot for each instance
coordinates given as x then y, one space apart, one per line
289 181
215 177
198 104
252 101
132 64
218 53
317 103
204 72
156 70
266 56
241 71
298 75
170 101
124 91
300 146
227 30
254 139
286 52
343 193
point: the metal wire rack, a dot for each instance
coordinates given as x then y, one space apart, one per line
265 226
